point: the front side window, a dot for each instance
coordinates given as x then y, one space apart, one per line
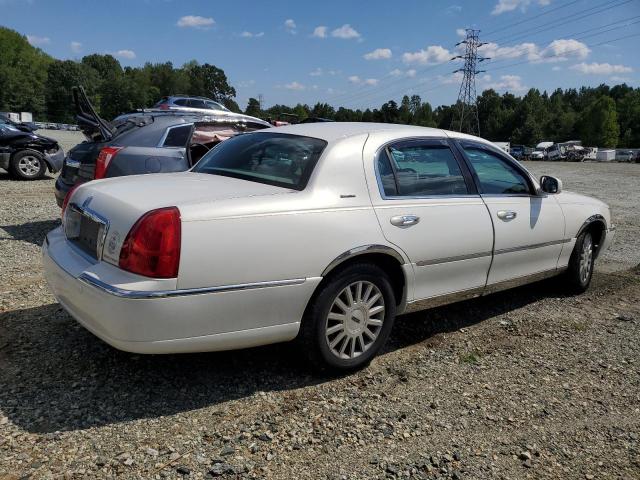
497 176
419 170
214 105
183 102
197 104
276 159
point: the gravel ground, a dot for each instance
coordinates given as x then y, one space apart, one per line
527 383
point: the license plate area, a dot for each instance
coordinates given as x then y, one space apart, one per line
85 231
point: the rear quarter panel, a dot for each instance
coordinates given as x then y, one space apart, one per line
295 235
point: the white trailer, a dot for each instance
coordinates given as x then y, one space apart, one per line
605 155
26 117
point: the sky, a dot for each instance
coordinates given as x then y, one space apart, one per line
350 53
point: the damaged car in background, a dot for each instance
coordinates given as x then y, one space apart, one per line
25 154
144 141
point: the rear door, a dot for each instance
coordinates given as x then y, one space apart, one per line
529 227
428 206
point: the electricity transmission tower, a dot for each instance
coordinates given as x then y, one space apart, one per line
466 118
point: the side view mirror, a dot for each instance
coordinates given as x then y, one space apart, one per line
550 184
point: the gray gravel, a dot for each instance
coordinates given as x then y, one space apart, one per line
523 384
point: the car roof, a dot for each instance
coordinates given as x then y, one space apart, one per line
334 131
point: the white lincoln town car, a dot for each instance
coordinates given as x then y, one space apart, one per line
320 232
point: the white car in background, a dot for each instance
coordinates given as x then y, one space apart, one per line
322 232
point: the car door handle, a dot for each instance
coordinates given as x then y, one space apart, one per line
507 215
404 220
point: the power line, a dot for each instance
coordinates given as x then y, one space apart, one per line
560 21
529 19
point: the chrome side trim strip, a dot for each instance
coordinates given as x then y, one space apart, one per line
432 302
361 251
519 281
532 246
146 294
437 261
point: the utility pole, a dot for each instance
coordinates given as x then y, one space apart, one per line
466 118
260 100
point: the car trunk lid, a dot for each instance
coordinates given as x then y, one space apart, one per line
118 203
95 128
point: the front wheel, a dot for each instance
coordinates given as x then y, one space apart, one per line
581 264
28 165
349 320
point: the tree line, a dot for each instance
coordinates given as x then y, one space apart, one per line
31 80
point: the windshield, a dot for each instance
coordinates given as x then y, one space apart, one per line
273 158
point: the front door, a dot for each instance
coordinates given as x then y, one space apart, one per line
427 205
529 227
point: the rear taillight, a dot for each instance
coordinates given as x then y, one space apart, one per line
67 197
163 106
104 159
152 246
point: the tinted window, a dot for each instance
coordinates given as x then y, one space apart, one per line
385 174
271 158
197 104
183 102
214 105
423 170
177 136
496 175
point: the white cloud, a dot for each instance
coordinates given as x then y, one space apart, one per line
76 47
557 51
246 34
509 5
403 73
510 83
378 54
562 49
454 78
601 68
461 32
246 83
432 55
318 72
290 26
453 9
128 54
294 86
36 40
196 21
556 68
356 80
345 32
320 32
617 78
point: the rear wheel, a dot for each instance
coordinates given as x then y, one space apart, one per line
350 319
581 263
28 165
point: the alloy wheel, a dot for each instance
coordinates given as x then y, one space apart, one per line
355 320
586 259
29 165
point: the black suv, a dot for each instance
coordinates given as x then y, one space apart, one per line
145 141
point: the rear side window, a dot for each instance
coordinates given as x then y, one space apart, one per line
275 159
177 136
197 104
420 169
182 102
497 176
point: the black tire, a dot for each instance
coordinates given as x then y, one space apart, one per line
27 165
314 338
578 275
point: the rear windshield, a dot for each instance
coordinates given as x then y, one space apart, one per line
273 158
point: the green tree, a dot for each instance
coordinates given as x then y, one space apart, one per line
599 123
253 108
23 73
